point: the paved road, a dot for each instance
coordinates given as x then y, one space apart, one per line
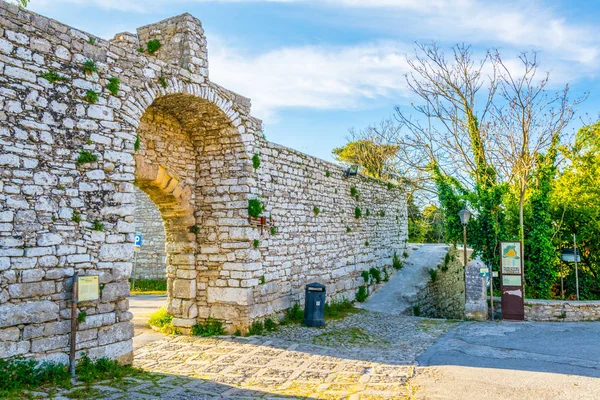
142 306
394 297
511 360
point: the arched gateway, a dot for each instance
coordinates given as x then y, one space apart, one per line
84 121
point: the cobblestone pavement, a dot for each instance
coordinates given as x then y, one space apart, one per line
365 356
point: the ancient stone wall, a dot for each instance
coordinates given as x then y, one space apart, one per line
329 245
73 150
556 310
444 294
149 262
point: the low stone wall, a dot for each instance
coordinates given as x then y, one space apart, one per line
444 296
556 310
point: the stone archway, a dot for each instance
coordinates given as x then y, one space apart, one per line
192 164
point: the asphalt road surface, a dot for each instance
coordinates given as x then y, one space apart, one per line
513 360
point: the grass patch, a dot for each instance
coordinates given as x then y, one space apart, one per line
153 46
293 315
339 309
89 67
210 327
113 85
255 208
163 321
149 285
85 157
100 369
53 77
91 96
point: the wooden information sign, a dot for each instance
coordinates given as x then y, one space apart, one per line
511 268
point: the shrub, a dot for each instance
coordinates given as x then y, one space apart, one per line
255 208
256 328
294 314
97 226
362 294
316 210
365 276
89 67
113 85
375 274
86 157
433 274
52 77
270 325
153 46
357 213
210 327
255 243
255 161
396 263
163 321
91 96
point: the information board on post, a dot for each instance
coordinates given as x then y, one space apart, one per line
88 288
511 269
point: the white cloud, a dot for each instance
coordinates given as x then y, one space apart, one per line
314 76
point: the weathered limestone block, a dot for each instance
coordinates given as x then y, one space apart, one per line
476 306
27 313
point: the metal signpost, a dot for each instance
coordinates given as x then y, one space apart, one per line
511 268
137 246
85 288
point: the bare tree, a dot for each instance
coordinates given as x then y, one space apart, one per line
528 118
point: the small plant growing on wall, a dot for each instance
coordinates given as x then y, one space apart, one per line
357 213
365 276
390 186
386 276
52 77
91 96
416 311
381 213
262 280
316 210
255 208
76 216
97 226
92 40
195 229
85 157
273 230
348 229
368 212
89 67
162 81
81 316
362 294
113 85
136 144
255 161
367 243
153 46
327 173
140 49
256 243
375 274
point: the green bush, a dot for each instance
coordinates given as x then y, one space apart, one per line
255 208
294 314
256 328
100 369
153 46
375 274
163 321
357 213
210 327
362 294
255 161
18 375
396 263
150 285
270 325
433 274
365 276
339 309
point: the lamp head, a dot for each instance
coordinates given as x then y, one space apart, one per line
464 215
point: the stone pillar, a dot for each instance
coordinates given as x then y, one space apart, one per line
476 306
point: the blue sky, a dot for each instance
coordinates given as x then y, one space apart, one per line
314 68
